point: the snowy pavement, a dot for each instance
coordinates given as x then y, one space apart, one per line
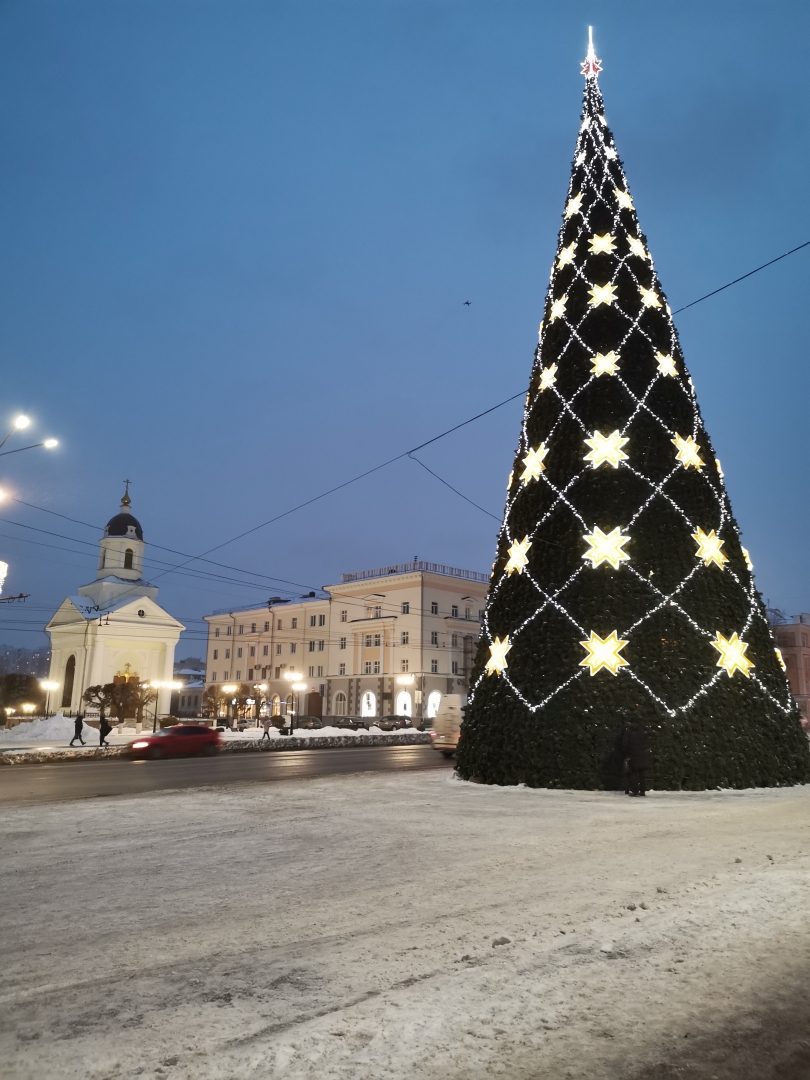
372 927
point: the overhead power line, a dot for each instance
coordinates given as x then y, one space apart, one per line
728 285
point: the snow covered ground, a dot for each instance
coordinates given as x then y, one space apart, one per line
374 927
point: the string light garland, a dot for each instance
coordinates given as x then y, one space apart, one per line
626 469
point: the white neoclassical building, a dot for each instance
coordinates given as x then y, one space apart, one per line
113 625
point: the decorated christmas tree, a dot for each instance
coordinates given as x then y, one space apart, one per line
621 591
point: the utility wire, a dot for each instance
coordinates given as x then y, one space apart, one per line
442 481
714 292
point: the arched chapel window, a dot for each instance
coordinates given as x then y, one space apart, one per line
128 557
67 686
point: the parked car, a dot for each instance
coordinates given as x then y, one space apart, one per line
392 723
446 726
352 722
308 722
182 739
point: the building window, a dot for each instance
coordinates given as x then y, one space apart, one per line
227 654
434 608
344 616
250 673
241 628
454 667
278 624
341 671
376 667
294 624
403 665
406 608
376 641
216 631
368 641
225 675
340 704
367 667
434 667
252 650
454 641
213 677
292 647
321 620
311 672
404 703
266 627
227 631
278 650
128 556
312 620
368 704
320 646
264 650
434 701
342 643
278 673
378 611
320 671
239 653
216 654
253 628
404 637
238 674
454 611
312 646
466 613
434 637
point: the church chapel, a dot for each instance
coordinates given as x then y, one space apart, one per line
113 626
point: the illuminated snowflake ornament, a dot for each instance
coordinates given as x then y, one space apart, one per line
672 632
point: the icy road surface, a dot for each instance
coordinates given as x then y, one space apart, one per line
369 927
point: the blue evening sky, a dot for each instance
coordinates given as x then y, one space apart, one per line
236 239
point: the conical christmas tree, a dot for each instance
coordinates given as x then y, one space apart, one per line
621 591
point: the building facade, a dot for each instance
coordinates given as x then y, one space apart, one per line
390 640
113 625
793 640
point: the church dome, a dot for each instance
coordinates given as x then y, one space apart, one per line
124 524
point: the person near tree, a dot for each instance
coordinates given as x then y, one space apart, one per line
620 585
104 729
78 724
634 751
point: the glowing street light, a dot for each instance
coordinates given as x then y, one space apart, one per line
48 686
21 422
49 444
294 679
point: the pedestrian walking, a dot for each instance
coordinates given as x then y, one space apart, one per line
104 729
266 728
78 723
634 751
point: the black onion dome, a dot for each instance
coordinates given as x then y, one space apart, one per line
124 525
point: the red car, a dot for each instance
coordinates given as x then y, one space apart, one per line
182 739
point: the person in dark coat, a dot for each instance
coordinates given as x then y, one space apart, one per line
104 729
634 750
78 724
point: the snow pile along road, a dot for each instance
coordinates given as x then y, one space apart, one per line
377 927
57 727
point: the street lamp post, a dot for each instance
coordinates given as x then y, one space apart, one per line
48 686
229 689
294 679
261 688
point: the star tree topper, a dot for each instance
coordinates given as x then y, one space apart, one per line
603 653
591 65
